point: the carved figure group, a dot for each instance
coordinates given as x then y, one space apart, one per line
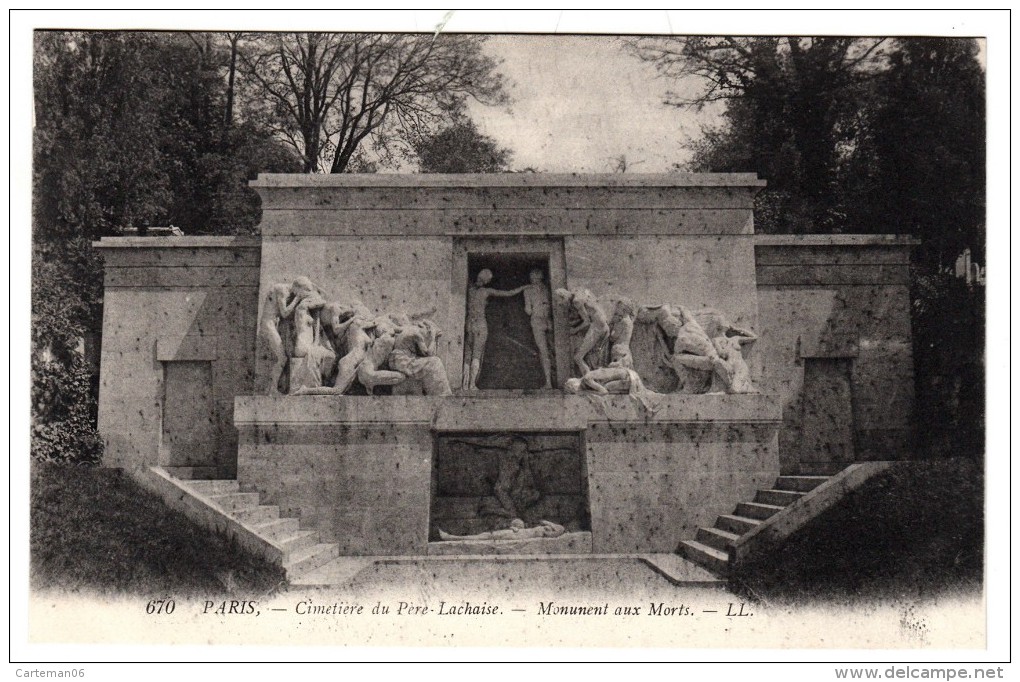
687 346
328 345
515 494
537 306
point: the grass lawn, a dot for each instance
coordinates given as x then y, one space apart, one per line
95 530
913 532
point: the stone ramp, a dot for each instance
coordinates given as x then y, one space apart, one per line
473 573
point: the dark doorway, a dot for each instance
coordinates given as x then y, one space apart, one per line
511 359
828 418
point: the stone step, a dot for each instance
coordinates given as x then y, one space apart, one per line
736 524
819 468
216 487
801 484
257 515
780 498
756 510
716 537
709 557
193 473
297 541
277 528
236 501
310 558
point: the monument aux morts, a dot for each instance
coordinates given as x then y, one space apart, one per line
411 365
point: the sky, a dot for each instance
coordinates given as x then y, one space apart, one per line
580 102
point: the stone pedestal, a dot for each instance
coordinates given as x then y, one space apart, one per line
360 469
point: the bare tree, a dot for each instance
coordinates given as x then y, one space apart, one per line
234 39
731 67
334 91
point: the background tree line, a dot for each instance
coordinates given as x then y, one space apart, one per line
142 129
864 135
137 129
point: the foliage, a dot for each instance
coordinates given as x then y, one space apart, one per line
330 93
131 129
920 163
64 300
95 530
791 108
949 341
863 135
461 148
63 413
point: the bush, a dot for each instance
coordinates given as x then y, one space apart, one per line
64 412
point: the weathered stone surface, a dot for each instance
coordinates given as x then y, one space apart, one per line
866 324
340 462
360 469
173 300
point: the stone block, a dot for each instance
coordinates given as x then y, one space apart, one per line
854 255
818 275
485 197
449 222
181 277
160 256
189 347
698 272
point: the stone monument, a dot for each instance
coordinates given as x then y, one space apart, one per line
630 359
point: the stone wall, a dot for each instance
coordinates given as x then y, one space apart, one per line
359 469
177 346
399 242
835 343
180 370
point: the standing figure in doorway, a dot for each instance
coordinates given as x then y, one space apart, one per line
536 305
477 328
592 322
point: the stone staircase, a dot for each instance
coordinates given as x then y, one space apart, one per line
712 547
298 551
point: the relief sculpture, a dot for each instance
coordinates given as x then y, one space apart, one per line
323 347
702 352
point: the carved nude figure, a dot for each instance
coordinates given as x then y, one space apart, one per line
618 379
592 322
356 342
514 489
306 324
369 372
278 306
602 381
621 333
691 346
516 531
538 308
414 354
733 373
310 354
477 328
